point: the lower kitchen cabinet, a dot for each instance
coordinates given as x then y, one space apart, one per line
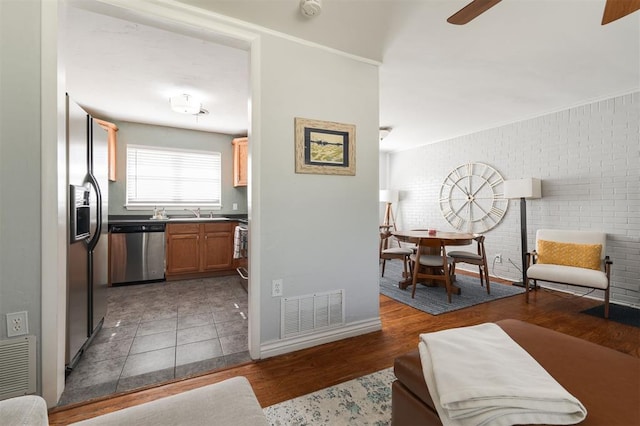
183 253
198 249
217 247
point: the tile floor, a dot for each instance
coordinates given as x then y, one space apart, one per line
162 331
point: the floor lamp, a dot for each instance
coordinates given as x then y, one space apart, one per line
523 188
389 196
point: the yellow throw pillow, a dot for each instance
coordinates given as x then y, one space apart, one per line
570 254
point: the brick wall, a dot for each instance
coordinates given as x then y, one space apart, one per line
588 158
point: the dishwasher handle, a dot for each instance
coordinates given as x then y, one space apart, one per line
129 229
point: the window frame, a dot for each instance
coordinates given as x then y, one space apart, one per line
146 205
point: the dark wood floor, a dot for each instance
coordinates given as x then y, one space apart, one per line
287 376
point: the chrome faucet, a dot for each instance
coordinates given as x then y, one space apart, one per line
195 212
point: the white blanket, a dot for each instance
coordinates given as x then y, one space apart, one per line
479 376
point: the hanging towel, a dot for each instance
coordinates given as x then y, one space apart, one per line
240 246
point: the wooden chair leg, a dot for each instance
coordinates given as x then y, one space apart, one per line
606 303
481 275
384 261
446 271
486 277
404 262
416 267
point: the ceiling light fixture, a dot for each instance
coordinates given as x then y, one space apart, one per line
310 8
185 104
384 132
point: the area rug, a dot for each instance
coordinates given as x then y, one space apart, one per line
362 401
617 313
433 300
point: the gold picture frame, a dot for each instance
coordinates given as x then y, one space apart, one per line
325 147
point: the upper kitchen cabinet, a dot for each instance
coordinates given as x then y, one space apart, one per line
240 154
112 140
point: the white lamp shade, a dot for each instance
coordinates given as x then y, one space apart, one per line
388 196
522 188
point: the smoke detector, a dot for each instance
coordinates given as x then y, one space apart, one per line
310 8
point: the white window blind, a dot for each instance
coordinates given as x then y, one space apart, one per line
173 177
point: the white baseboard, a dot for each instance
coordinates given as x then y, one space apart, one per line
284 346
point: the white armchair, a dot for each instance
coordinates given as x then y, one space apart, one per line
571 257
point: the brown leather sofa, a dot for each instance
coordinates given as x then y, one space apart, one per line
607 382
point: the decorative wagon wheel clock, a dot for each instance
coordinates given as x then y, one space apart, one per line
471 198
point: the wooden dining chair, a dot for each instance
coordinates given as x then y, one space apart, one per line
479 259
388 253
431 266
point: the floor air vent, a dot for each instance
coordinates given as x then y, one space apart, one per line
18 367
309 313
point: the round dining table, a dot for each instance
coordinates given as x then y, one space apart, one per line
449 238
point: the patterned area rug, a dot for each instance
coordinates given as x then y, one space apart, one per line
362 401
433 300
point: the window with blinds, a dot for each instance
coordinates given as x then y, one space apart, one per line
173 177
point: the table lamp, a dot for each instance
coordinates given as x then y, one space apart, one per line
523 188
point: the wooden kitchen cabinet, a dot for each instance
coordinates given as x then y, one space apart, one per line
182 248
198 249
112 139
217 247
240 161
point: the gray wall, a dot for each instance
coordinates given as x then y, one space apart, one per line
302 216
588 158
146 134
20 168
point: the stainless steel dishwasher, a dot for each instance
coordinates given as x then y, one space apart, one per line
137 253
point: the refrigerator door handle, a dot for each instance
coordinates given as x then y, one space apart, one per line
94 239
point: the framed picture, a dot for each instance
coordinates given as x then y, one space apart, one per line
325 147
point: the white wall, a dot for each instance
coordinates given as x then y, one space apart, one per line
588 158
20 169
302 216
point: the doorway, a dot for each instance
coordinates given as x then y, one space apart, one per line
191 327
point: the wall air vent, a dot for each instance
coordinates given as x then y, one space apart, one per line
18 367
310 313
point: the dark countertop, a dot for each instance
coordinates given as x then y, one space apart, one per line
144 220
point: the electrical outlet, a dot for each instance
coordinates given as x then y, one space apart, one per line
276 288
17 324
498 258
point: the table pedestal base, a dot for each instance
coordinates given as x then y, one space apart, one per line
404 284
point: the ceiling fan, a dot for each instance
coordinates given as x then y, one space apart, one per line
613 10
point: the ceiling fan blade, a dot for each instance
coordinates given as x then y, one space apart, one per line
472 10
616 9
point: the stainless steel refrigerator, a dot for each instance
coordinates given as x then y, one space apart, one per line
88 245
